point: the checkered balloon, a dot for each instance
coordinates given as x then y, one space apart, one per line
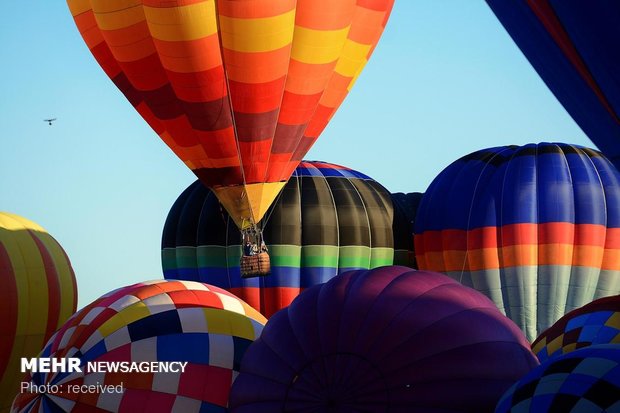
594 323
582 381
162 321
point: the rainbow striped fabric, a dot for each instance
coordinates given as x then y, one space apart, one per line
536 228
239 90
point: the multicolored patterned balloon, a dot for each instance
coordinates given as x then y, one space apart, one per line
239 90
328 219
390 339
157 321
594 323
38 293
534 227
582 381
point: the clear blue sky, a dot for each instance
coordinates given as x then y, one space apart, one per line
444 81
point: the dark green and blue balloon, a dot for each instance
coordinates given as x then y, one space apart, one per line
328 219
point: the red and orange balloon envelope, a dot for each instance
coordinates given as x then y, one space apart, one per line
239 90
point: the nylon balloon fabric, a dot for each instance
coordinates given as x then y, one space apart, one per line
572 45
583 381
535 227
592 324
405 209
328 219
390 339
239 90
154 321
38 293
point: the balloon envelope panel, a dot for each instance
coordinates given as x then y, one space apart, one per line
585 380
572 45
388 339
38 293
405 209
536 228
327 220
592 324
179 321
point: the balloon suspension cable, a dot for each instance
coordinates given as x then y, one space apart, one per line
252 236
232 114
267 217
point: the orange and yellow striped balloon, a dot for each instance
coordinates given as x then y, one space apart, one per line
239 90
38 294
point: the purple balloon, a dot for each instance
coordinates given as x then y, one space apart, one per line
390 339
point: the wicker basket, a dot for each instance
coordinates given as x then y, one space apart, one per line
257 265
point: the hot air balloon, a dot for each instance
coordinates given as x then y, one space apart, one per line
390 339
572 45
536 228
405 209
38 293
239 90
583 381
327 220
592 324
154 321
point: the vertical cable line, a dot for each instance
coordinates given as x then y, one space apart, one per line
606 225
538 257
232 112
331 194
165 72
500 227
226 250
469 219
370 240
574 219
469 215
267 167
324 89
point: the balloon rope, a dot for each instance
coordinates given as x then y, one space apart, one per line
266 219
370 240
331 195
232 112
226 247
279 110
326 86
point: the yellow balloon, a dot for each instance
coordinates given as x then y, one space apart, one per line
38 294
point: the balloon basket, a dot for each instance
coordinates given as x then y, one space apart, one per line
257 265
